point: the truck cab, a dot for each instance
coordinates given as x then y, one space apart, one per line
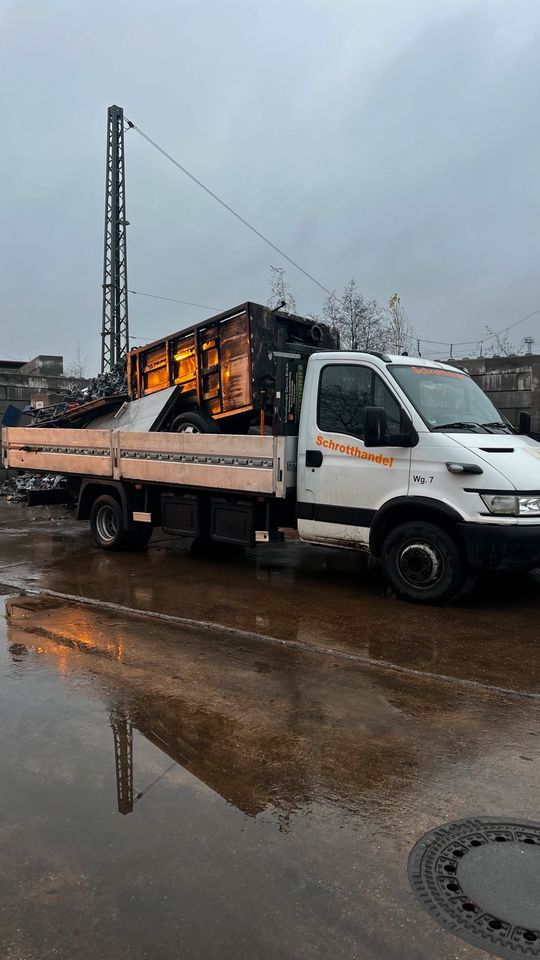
411 461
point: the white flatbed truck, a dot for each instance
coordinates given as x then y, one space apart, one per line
404 459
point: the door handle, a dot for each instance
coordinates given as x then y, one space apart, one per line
314 458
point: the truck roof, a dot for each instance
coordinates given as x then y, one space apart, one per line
386 358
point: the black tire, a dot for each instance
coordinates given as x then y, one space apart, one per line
193 421
423 563
107 526
107 523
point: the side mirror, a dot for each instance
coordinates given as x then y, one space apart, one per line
524 423
376 433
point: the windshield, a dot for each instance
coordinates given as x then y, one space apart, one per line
448 399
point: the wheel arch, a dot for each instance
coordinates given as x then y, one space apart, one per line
92 489
406 509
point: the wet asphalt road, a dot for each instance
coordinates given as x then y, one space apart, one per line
179 790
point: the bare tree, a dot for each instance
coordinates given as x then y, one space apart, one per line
360 322
281 297
78 366
399 330
501 345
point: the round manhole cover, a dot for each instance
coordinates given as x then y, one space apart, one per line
480 878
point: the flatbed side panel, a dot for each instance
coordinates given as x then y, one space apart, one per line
39 436
196 475
211 444
235 463
86 452
250 464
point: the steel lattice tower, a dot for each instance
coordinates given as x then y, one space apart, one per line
115 328
123 759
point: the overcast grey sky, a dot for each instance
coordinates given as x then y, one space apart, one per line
394 140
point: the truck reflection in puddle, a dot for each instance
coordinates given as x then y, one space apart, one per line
265 727
262 726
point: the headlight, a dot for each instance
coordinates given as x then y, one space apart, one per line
506 505
502 504
529 506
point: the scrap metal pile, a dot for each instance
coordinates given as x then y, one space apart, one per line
76 408
23 486
110 384
80 404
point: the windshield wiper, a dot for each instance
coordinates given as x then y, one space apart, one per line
461 425
497 425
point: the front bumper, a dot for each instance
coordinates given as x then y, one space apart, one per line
492 546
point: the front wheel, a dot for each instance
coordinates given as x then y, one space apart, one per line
422 563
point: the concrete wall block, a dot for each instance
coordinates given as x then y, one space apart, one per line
48 366
512 383
512 398
504 380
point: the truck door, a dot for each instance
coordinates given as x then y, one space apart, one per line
341 483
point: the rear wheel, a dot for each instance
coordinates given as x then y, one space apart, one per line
422 562
193 421
107 526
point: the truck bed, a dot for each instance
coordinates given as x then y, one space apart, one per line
250 464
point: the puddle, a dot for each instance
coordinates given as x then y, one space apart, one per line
170 794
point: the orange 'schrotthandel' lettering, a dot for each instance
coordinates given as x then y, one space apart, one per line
352 451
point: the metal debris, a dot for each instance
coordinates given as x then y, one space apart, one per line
110 384
17 488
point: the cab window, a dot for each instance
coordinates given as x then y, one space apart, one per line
345 391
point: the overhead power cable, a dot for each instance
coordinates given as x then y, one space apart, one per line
156 296
505 330
142 339
227 206
461 343
489 336
187 303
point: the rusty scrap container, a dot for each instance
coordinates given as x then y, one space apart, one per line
240 362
